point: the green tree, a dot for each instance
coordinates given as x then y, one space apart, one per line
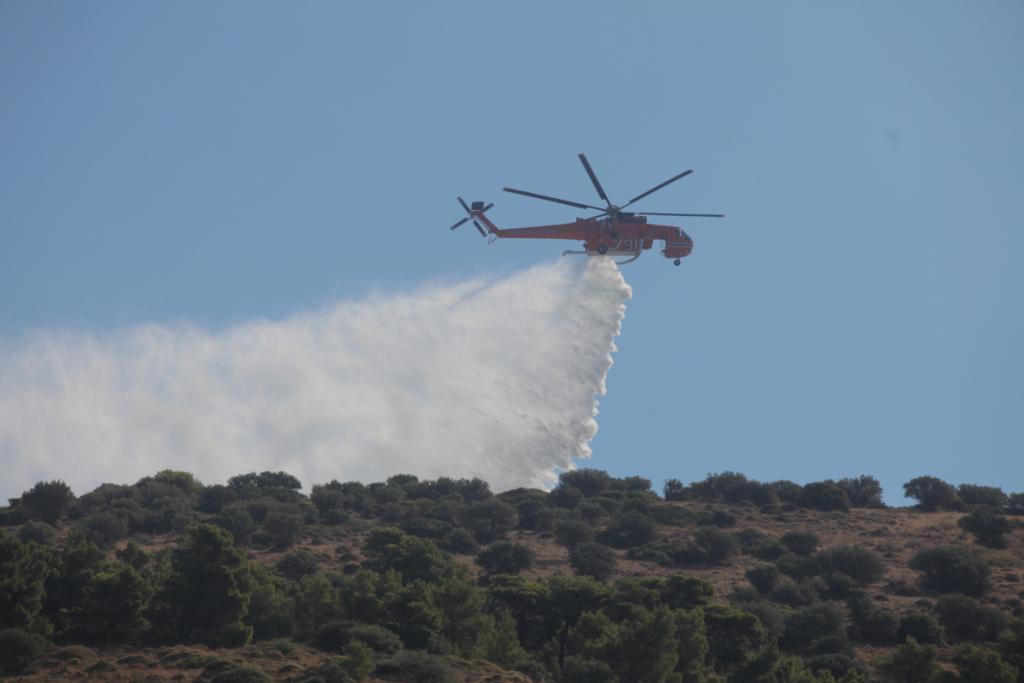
990 529
112 606
461 606
988 496
863 491
206 597
981 664
803 543
19 649
910 663
505 557
932 494
24 569
824 495
952 569
593 559
48 500
416 559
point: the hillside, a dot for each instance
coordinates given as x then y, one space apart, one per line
600 579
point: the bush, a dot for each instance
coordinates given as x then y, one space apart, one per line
793 594
985 496
490 519
863 491
565 496
297 564
334 636
871 624
932 494
922 627
977 663
425 527
629 529
19 649
570 532
283 524
715 517
802 543
590 482
824 495
952 570
39 533
716 546
235 518
860 564
592 559
787 491
1015 504
807 624
732 487
764 578
990 529
965 618
505 557
910 663
47 500
415 666
460 542
796 566
103 528
674 490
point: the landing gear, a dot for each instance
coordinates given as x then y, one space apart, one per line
602 249
676 262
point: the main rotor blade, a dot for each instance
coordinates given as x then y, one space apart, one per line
578 205
459 223
593 178
696 215
480 229
658 187
464 205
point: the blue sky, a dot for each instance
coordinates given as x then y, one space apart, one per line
859 311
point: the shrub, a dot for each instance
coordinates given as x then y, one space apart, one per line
979 663
986 496
565 496
1015 504
19 649
802 543
297 564
283 524
787 491
715 517
570 532
796 566
490 519
460 542
807 624
910 663
716 546
415 666
871 624
922 627
862 565
763 577
792 594
236 519
580 670
592 559
989 528
965 618
102 528
732 487
952 570
589 481
863 491
824 495
674 490
629 529
39 533
505 557
47 500
932 494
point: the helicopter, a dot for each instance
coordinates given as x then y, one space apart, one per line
612 232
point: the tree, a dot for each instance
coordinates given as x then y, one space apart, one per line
862 565
911 663
922 627
572 532
932 494
283 524
24 569
490 519
863 491
629 529
980 664
824 495
802 543
112 606
505 557
987 496
207 595
763 578
990 529
415 559
952 569
964 618
19 649
674 490
297 564
47 500
592 559
590 482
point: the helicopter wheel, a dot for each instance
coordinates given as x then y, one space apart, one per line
602 249
676 262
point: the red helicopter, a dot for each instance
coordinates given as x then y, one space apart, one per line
613 232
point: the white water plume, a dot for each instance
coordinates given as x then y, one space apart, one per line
492 379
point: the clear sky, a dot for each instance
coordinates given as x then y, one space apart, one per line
859 311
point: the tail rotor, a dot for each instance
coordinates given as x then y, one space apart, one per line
478 207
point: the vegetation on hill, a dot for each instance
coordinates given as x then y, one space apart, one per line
725 580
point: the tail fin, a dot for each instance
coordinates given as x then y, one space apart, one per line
477 209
